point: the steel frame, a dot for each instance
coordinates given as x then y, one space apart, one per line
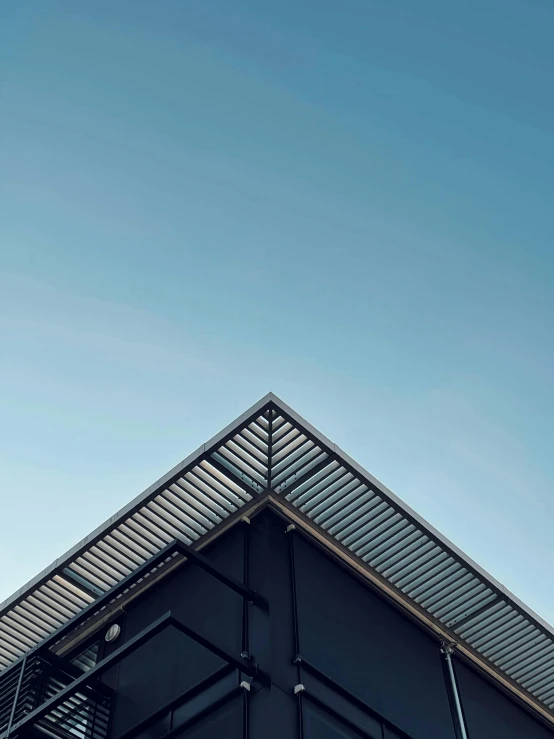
156 627
243 663
174 548
295 455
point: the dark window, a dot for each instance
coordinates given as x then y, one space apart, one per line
87 657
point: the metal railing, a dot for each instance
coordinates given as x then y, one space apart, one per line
43 694
83 713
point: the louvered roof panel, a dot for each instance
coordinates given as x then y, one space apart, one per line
187 503
270 451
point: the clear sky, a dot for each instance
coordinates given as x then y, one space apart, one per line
349 204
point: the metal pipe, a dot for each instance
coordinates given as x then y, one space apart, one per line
448 650
16 696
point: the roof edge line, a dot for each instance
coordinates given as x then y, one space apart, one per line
64 558
380 487
404 602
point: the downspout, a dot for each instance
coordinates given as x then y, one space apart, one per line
448 651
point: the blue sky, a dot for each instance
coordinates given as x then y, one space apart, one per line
347 204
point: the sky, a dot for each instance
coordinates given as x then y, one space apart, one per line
348 204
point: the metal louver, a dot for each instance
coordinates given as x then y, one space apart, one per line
271 453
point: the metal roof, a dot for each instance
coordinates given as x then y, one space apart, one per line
271 453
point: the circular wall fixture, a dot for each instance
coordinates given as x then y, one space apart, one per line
113 632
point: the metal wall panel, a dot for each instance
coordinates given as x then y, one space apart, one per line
313 652
273 714
317 723
171 663
491 713
225 722
366 646
156 674
197 599
271 453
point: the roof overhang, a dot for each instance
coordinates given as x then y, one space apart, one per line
272 456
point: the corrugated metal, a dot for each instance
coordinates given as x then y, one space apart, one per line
271 448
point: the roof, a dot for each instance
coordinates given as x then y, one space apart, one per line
271 454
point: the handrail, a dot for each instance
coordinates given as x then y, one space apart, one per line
160 624
43 675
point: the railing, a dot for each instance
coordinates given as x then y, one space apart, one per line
42 694
82 714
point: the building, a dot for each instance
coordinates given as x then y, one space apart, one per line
269 587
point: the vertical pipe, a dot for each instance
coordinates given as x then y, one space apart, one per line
297 659
16 696
245 577
448 650
91 714
300 718
290 532
245 717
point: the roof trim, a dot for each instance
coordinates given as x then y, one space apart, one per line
271 452
405 508
416 614
163 481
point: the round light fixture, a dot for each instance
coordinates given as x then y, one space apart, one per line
113 632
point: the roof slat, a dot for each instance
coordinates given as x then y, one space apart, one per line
334 495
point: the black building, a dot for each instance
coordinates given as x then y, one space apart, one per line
269 587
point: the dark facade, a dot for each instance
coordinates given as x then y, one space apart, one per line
360 620
317 654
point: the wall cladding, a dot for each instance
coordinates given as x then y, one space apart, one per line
225 721
490 713
337 660
320 724
368 647
172 663
157 673
196 598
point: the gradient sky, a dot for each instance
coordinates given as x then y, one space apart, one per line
349 204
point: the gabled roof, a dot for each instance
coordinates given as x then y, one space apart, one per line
271 454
